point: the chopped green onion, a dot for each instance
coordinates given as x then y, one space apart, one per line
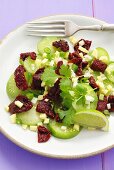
18 121
30 95
101 96
64 54
47 50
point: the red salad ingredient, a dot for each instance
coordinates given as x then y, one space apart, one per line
36 83
45 107
27 105
98 65
92 83
102 104
20 79
87 45
59 64
32 55
62 45
43 134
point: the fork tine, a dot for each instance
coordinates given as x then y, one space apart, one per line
46 35
47 31
45 26
48 22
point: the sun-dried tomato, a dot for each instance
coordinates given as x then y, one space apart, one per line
27 105
54 92
102 104
36 82
87 45
32 55
62 45
98 65
111 99
84 64
20 79
43 134
92 83
59 64
79 71
112 107
45 107
76 60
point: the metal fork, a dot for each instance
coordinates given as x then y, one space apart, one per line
62 28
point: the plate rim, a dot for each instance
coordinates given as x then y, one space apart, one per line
36 151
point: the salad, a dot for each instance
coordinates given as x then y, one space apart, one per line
62 88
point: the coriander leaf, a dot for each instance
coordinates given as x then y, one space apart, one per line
67 99
49 76
65 84
80 89
69 116
65 71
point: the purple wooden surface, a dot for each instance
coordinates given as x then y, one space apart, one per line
14 13
104 9
14 158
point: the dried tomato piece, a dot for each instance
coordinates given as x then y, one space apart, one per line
98 65
87 45
79 70
102 104
54 92
92 83
76 61
75 54
32 55
111 99
59 64
36 82
27 105
43 134
112 107
20 79
84 64
45 107
62 45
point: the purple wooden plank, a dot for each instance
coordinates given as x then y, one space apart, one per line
108 160
104 9
16 13
107 15
14 158
13 14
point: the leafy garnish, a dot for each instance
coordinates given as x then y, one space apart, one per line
65 84
68 116
65 71
49 76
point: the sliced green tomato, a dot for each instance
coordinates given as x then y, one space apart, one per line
11 88
110 72
91 118
81 104
55 129
30 117
102 55
46 43
30 65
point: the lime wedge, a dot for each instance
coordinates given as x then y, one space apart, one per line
92 118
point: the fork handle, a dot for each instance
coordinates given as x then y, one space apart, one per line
91 27
108 27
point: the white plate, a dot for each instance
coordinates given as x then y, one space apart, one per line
87 142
